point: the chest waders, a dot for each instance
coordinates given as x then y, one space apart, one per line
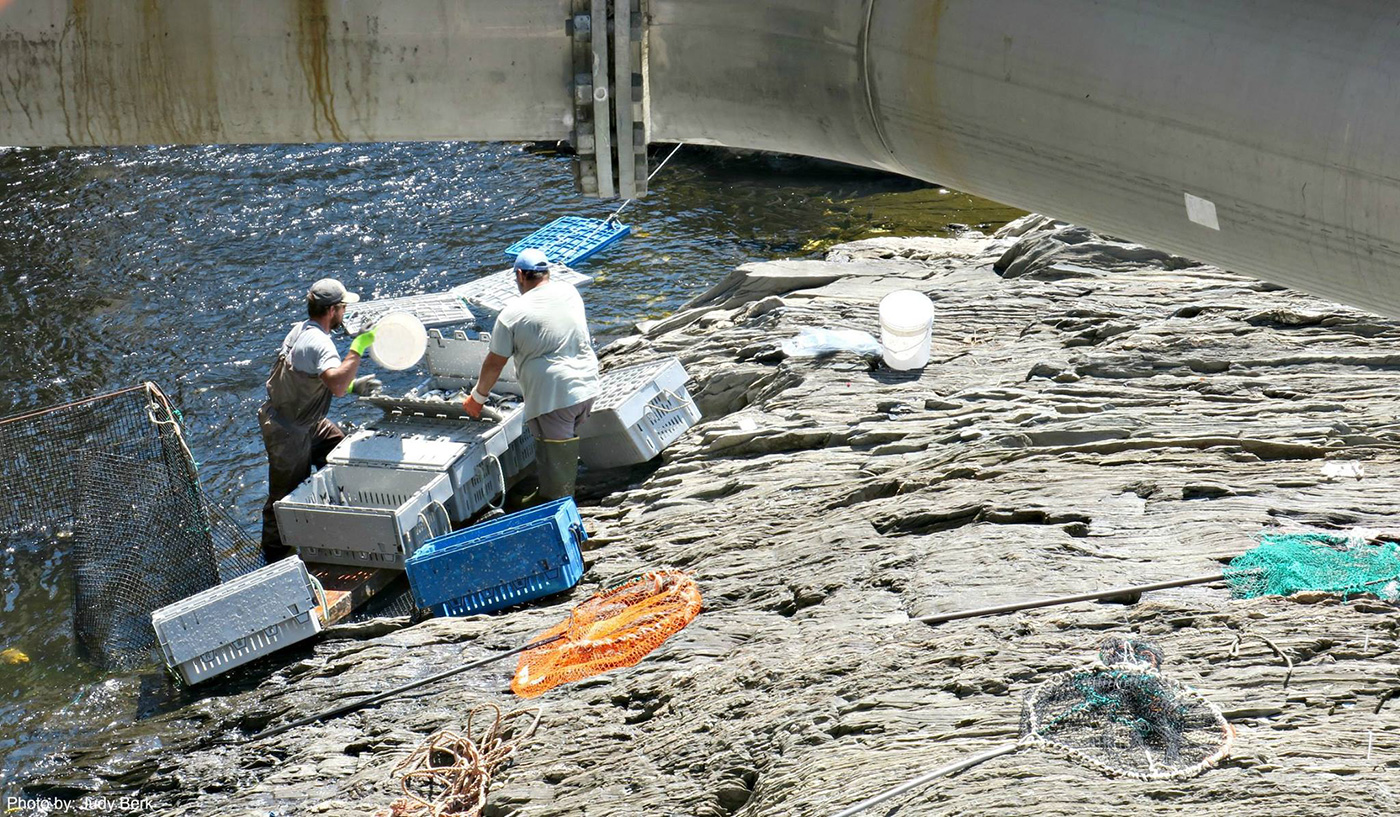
297 436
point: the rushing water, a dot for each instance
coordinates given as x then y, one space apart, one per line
185 265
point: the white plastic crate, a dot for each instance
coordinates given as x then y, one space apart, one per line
460 449
229 625
454 361
433 309
638 412
364 516
490 294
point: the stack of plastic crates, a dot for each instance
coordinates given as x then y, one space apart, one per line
501 563
639 411
473 454
229 625
571 239
364 516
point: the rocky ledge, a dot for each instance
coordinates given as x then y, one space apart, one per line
1096 413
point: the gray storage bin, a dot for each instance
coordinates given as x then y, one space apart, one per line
364 516
639 411
467 451
229 625
454 361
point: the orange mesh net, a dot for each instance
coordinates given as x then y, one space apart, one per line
613 629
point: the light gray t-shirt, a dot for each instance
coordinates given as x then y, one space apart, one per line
310 349
546 332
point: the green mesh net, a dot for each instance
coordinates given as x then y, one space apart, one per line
1284 564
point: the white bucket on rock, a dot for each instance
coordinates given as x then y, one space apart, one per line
906 329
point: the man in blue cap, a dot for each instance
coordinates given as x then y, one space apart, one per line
545 331
308 372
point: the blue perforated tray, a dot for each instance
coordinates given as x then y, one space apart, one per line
501 563
570 239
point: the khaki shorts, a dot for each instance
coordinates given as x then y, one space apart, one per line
561 424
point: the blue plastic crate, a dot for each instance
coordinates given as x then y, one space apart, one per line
497 564
570 239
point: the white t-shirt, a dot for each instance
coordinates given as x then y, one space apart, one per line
310 350
546 332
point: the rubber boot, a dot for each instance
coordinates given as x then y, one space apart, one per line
556 465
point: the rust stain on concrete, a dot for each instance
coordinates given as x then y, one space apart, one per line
313 52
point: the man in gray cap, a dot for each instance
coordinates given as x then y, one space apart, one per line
545 331
308 372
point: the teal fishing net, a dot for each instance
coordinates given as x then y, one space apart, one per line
1283 564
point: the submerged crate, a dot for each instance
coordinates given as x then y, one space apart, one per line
638 412
490 294
454 361
229 625
364 516
497 564
464 450
433 309
571 239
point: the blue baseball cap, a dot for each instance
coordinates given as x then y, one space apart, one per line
532 260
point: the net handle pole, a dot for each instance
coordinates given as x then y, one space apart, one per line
939 618
382 696
941 771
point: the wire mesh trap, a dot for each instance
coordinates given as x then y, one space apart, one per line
615 628
449 774
1118 716
113 474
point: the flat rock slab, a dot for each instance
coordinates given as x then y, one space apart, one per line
1096 414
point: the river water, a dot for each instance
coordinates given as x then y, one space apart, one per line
185 265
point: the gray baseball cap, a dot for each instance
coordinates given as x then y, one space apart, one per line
329 292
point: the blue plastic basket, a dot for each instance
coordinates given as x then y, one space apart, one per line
501 563
570 239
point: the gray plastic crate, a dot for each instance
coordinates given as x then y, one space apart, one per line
461 449
364 516
489 294
520 455
454 361
433 309
639 411
229 625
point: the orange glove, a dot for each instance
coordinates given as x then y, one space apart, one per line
474 404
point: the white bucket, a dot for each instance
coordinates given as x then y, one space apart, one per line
906 328
399 341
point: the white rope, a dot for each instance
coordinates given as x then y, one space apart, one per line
319 590
159 400
501 472
650 176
